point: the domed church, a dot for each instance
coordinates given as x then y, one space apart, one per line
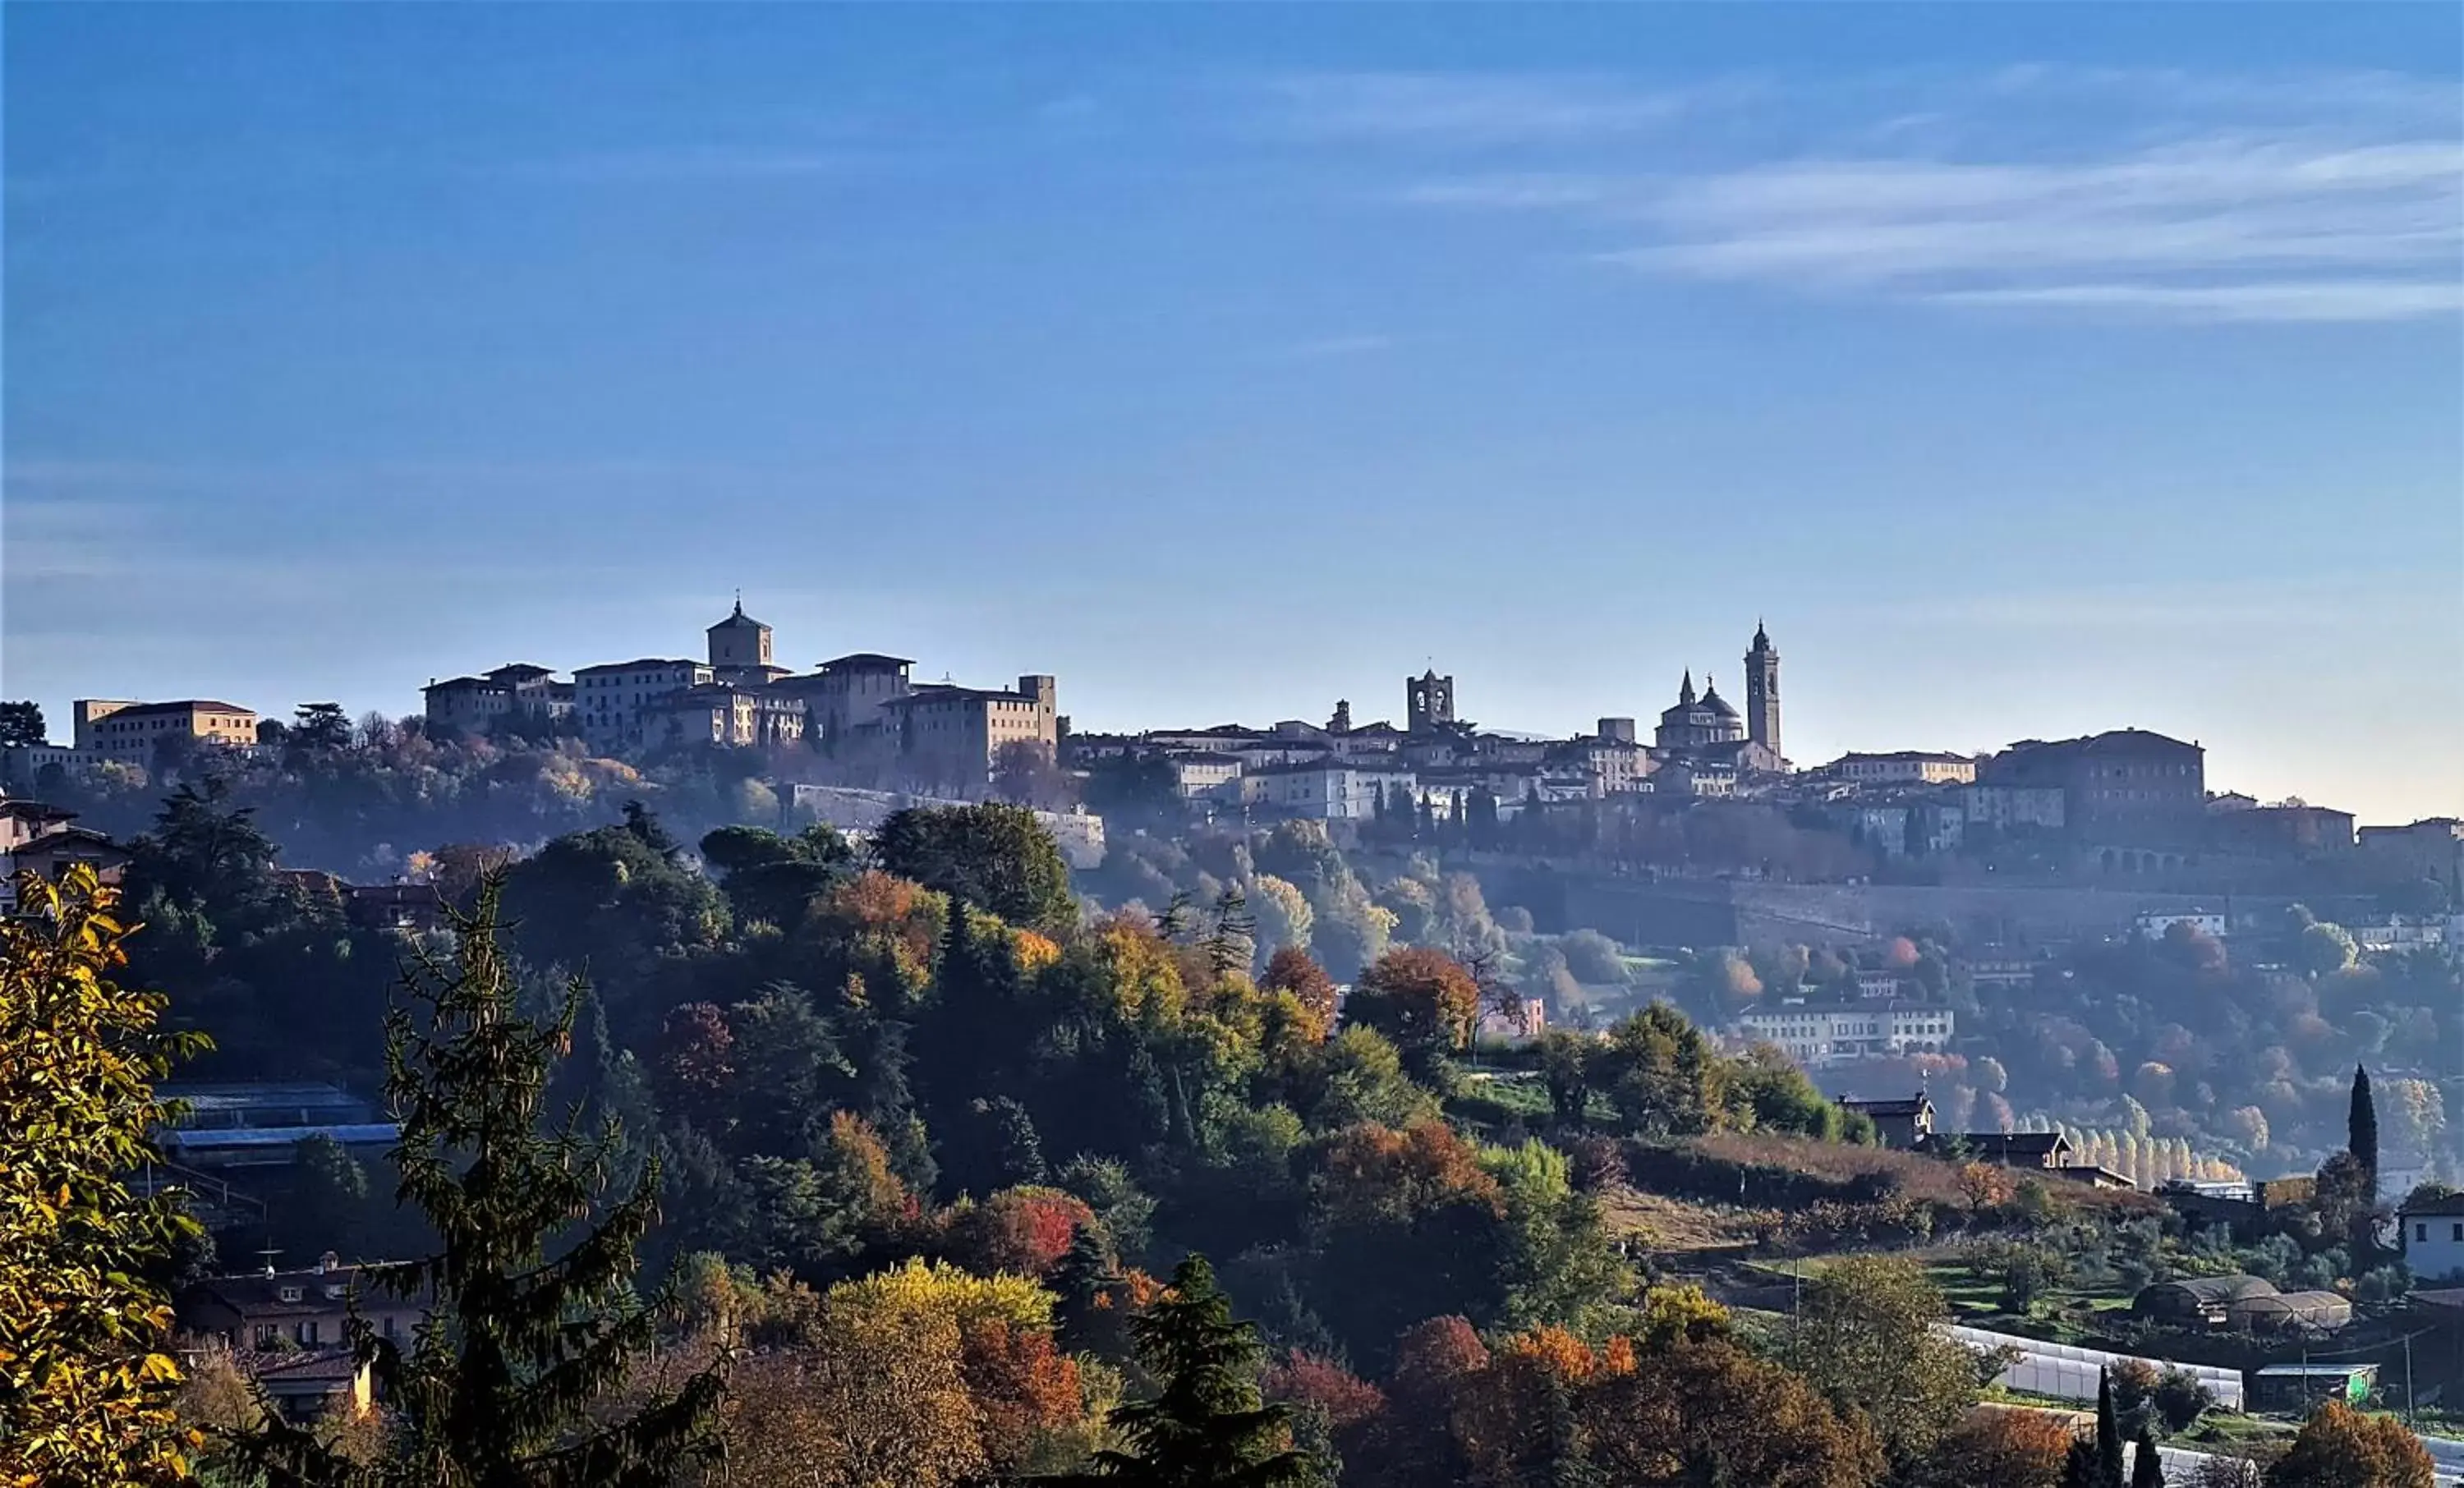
1707 729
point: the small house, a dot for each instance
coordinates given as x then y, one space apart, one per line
1900 1124
2433 1236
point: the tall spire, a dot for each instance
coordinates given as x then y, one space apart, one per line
1685 692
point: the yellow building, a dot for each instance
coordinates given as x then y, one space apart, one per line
131 731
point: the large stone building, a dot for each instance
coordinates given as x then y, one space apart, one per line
1816 1036
1905 767
2431 848
2128 788
133 731
852 696
612 702
955 735
716 712
474 705
1710 739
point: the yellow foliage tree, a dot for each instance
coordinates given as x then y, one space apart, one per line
941 1290
87 1388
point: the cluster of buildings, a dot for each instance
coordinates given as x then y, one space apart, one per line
863 705
1439 762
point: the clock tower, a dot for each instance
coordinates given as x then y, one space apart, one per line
1762 691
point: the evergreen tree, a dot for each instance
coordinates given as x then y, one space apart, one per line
531 1328
2362 1131
2079 1466
1208 1427
2147 1468
2108 1433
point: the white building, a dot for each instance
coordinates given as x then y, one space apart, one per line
2434 1239
611 702
2152 924
1203 772
1328 790
1905 767
1818 1036
22 765
1079 834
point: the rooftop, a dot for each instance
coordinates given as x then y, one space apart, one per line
643 660
867 661
184 705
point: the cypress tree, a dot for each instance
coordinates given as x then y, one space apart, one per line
533 1323
1208 1426
2080 1465
2108 1433
2361 1130
2147 1468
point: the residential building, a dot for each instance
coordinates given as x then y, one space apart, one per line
2290 830
1900 1124
42 840
1821 1034
2005 807
133 731
2429 848
955 734
1328 790
2006 1148
2399 933
472 705
1079 834
2152 924
2433 1238
305 1309
1612 761
1936 826
22 765
611 702
1203 773
1905 767
2129 788
718 712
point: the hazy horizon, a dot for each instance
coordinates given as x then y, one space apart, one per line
2029 371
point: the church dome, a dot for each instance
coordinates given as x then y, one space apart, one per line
1713 702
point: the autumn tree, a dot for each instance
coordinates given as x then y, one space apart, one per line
87 1383
1291 968
1208 1423
533 1325
2340 1447
1421 999
1679 1416
2008 1448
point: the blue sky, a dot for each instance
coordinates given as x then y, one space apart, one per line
2030 369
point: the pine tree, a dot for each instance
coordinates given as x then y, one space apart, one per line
2108 1433
2146 1469
508 1382
2362 1131
1208 1427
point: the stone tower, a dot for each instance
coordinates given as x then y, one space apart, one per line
739 642
1762 690
1428 702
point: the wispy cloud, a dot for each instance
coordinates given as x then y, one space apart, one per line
1460 109
2336 198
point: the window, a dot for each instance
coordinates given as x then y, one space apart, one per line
2459 1230
291 1293
307 1332
266 1334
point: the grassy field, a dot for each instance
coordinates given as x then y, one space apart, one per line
1658 1222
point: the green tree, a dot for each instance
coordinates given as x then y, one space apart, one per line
1208 1423
204 850
319 727
2147 1467
1868 1336
2361 1130
2108 1433
21 723
329 1200
1421 999
2324 948
773 878
86 1380
996 857
532 1325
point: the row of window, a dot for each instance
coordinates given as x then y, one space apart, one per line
2421 1231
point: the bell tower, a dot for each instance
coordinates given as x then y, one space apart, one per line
1762 690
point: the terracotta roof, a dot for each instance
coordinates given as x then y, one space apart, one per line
185 704
868 661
